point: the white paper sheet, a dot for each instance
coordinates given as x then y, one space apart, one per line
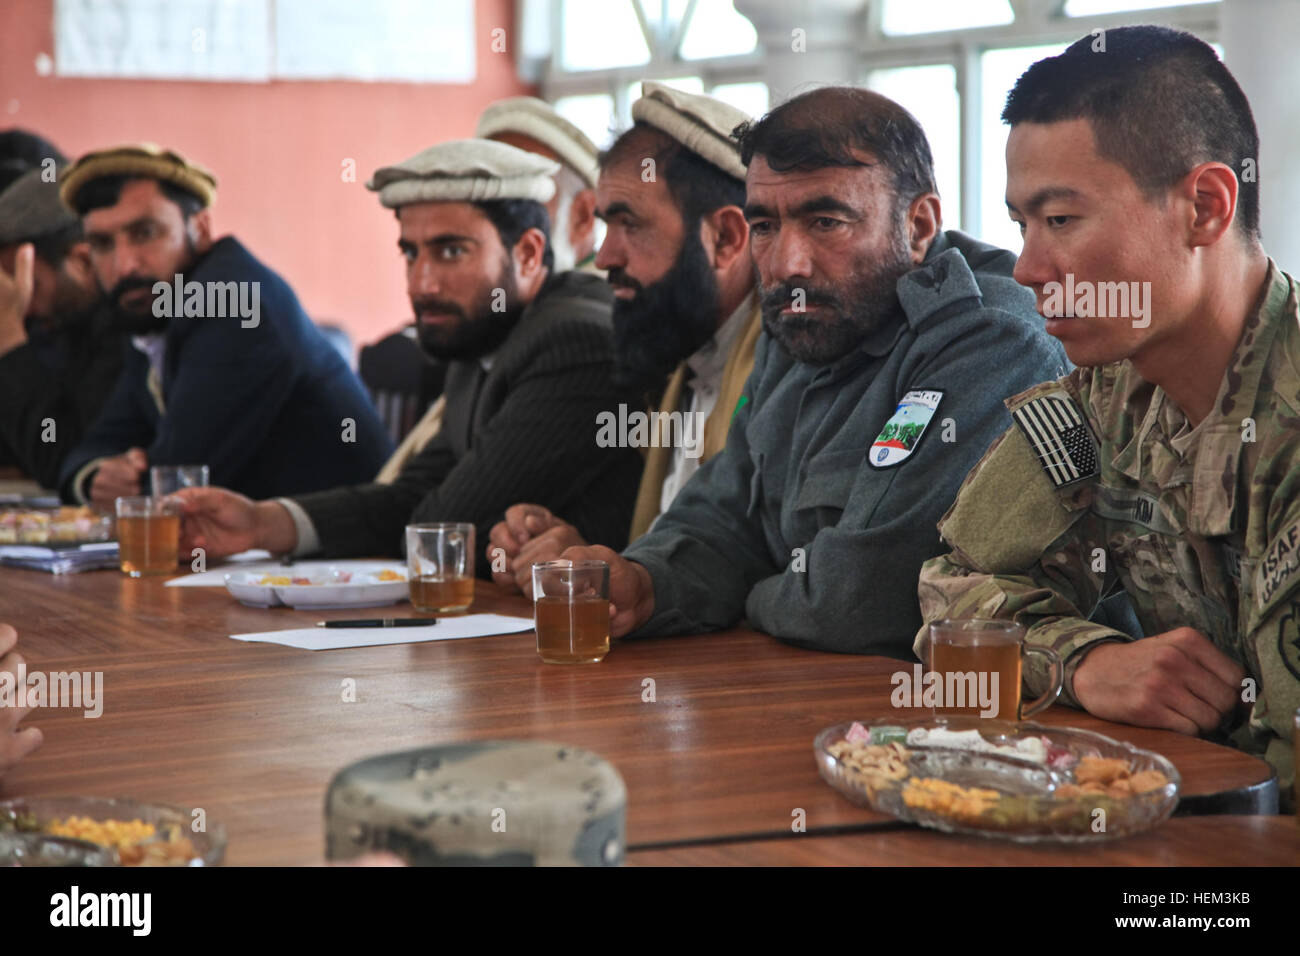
447 629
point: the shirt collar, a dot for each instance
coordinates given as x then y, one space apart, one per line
708 361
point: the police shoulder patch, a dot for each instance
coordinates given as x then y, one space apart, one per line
902 433
1057 431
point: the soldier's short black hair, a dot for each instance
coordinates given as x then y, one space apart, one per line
697 186
828 126
21 151
1160 102
107 190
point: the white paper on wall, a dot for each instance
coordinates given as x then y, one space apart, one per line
163 39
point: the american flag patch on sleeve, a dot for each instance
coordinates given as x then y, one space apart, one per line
1060 437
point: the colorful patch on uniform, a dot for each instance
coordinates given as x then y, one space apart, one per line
902 433
1056 430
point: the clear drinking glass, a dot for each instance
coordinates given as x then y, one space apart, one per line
166 479
148 535
979 665
440 566
571 611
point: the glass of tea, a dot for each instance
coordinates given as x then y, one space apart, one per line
167 479
571 611
440 567
977 666
148 534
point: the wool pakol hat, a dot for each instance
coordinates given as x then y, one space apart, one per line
700 123
529 116
465 170
139 159
30 209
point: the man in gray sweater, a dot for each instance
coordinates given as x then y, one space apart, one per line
888 346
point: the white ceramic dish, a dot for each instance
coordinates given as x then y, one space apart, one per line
320 587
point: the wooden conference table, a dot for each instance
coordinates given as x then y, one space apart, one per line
717 766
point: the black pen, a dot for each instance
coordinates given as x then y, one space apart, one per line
382 622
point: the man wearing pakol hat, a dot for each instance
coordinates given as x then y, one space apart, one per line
677 252
887 347
60 354
534 126
529 370
226 369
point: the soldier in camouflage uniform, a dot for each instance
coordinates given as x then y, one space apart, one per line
1105 481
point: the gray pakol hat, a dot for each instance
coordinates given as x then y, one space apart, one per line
30 209
700 123
465 170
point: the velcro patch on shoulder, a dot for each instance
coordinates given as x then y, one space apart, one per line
1059 435
1278 573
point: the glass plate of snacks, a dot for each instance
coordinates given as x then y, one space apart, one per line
66 831
1018 781
54 526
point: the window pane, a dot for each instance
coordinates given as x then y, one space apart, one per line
1000 69
901 17
716 29
750 97
930 94
601 34
593 114
1088 8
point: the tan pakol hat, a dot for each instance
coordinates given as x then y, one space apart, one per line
529 116
465 170
138 159
30 209
700 123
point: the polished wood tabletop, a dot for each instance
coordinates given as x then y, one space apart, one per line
1181 841
252 733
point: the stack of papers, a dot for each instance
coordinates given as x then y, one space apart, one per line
63 559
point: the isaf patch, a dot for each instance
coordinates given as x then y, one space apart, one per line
1279 568
902 433
1059 435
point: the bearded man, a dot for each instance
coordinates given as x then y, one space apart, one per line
887 348
529 370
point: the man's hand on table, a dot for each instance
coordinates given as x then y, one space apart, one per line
15 297
224 522
119 477
1177 680
529 534
631 589
14 743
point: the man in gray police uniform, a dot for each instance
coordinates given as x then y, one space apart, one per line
888 347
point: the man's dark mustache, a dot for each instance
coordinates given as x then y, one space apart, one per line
129 284
620 279
783 296
429 305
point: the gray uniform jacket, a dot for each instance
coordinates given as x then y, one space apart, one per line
792 525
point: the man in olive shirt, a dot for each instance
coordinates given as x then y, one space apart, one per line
888 345
1167 467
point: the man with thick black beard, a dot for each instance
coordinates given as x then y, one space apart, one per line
677 253
887 348
529 369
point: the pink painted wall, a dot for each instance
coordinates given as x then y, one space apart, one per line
277 150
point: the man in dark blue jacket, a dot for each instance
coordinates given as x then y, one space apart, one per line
225 368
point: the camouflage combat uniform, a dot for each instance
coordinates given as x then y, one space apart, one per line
1200 526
